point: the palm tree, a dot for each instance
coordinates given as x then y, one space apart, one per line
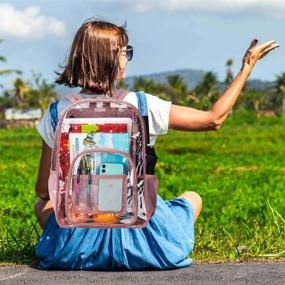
176 82
208 84
47 94
280 88
207 90
21 90
43 94
39 95
255 100
178 89
3 72
229 73
148 85
7 71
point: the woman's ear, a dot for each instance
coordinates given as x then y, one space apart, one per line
123 60
121 71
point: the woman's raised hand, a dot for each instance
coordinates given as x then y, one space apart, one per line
255 52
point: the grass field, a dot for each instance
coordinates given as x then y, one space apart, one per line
239 171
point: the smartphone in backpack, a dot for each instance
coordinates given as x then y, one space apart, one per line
110 168
110 191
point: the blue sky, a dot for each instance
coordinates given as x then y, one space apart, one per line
166 34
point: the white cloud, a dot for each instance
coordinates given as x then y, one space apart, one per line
239 7
209 5
28 23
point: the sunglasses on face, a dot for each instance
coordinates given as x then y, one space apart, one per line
129 52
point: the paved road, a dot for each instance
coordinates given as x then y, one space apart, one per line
198 274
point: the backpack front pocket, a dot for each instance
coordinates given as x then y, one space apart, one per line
99 194
101 189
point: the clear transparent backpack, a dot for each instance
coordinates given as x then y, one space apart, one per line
99 175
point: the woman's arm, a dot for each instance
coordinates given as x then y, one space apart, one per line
43 174
190 119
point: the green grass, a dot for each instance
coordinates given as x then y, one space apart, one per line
239 171
20 154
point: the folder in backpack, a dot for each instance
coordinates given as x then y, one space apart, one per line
87 133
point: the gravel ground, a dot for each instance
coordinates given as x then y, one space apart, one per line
199 274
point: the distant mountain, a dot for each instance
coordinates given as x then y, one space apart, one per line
255 84
191 77
258 84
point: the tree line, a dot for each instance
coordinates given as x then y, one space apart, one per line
38 93
26 94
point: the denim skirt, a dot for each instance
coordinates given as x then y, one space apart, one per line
165 243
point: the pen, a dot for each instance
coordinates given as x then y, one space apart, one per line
88 187
77 189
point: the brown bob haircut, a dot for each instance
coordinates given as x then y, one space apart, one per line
93 61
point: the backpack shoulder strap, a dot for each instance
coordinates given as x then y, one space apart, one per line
142 103
72 98
151 156
54 114
141 98
142 108
54 110
120 94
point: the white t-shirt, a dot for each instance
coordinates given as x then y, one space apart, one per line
158 116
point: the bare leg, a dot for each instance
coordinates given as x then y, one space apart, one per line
195 200
43 210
